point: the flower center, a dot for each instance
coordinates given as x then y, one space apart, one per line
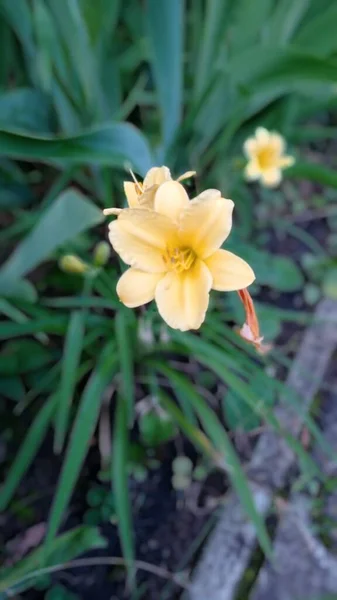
180 259
267 157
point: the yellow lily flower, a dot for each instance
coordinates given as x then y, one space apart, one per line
142 195
174 256
266 157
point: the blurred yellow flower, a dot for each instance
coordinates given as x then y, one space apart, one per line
142 195
174 254
266 157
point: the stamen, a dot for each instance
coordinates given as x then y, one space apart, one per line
139 185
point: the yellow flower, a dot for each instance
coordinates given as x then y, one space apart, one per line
266 158
174 255
142 195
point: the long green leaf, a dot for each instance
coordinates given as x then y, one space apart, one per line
222 442
119 477
125 355
196 436
70 362
313 172
63 549
82 432
113 144
27 451
166 36
70 214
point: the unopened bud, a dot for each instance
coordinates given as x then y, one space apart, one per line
101 254
73 264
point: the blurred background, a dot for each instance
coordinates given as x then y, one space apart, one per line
120 437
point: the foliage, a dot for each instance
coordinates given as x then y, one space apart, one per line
87 91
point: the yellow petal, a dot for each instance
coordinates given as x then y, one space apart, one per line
286 161
136 287
170 199
132 196
206 223
277 143
271 177
156 176
112 211
229 272
182 299
186 175
250 147
140 238
252 170
262 136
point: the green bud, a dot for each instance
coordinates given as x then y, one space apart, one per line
101 254
73 264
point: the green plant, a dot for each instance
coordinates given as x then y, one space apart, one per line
87 91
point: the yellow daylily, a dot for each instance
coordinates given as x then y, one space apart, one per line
142 195
174 254
266 157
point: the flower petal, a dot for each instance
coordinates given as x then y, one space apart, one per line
277 143
182 298
130 189
156 176
262 136
170 199
136 287
252 170
206 223
186 175
140 238
286 161
229 272
250 147
271 177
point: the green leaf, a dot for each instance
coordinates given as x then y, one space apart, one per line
222 442
313 172
212 36
125 355
81 434
330 283
318 35
27 451
119 478
71 358
237 414
114 144
25 109
165 22
62 550
70 214
197 437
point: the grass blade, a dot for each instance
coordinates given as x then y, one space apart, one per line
196 436
71 358
125 356
63 549
222 442
119 479
82 432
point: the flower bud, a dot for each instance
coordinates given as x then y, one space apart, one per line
101 254
69 263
